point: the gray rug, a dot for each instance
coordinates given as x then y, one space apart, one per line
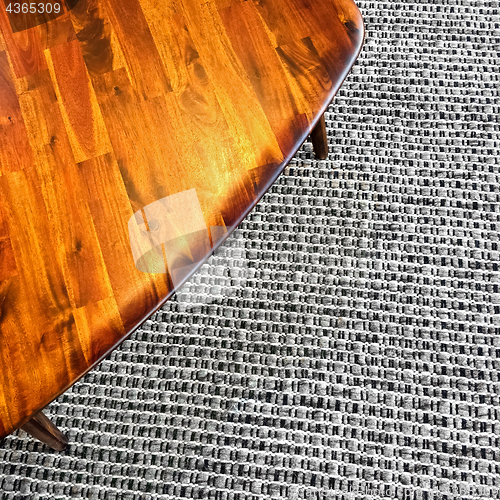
345 343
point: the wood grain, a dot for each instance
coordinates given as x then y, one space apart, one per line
134 137
15 152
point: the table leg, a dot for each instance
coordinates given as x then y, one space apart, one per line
318 139
41 428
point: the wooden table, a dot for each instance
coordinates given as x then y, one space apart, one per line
135 135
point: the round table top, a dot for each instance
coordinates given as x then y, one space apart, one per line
135 135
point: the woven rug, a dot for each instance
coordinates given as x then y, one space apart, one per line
345 342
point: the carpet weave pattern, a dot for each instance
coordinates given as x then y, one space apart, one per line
346 341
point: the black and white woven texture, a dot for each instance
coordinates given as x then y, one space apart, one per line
345 344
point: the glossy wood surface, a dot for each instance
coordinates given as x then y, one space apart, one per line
134 136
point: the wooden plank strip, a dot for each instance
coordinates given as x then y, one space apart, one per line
27 57
80 111
306 74
80 255
208 150
339 23
115 83
98 41
148 74
19 349
171 38
263 67
24 48
8 267
15 151
335 26
56 32
36 97
258 57
282 22
144 140
136 293
128 125
100 327
2 42
253 137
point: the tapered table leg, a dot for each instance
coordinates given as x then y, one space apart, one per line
318 139
41 428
